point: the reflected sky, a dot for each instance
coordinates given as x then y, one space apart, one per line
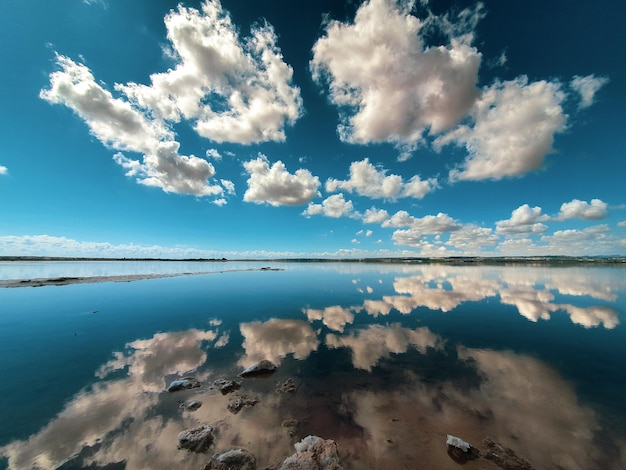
387 362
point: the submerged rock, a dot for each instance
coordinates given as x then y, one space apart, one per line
183 384
263 367
461 451
227 386
198 439
191 405
313 453
288 386
233 459
236 405
504 457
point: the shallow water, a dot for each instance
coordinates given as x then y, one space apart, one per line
387 360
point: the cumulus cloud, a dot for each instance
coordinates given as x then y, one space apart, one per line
375 216
524 219
595 210
231 89
587 87
212 153
514 123
276 186
472 239
234 89
119 126
3 170
427 225
389 85
333 206
367 180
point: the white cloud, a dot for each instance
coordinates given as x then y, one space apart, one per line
367 180
622 223
524 219
368 233
389 85
276 186
595 210
235 90
513 129
471 239
333 206
429 224
229 186
375 216
111 120
3 170
118 125
214 154
587 87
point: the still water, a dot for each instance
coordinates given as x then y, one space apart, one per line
386 361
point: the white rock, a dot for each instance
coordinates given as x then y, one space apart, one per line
458 443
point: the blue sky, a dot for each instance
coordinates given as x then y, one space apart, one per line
328 128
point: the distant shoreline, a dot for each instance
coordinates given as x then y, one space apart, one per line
451 260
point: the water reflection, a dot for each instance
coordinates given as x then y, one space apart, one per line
375 342
374 375
275 339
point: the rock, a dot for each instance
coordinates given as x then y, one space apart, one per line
290 423
236 405
183 384
313 453
460 451
198 439
263 367
289 386
504 457
227 386
233 459
191 405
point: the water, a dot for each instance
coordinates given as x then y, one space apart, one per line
387 360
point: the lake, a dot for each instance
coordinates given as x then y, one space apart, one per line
384 359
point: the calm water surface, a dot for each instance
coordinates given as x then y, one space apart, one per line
387 360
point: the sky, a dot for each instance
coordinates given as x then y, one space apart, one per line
274 128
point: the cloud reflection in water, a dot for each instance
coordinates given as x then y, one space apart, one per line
386 390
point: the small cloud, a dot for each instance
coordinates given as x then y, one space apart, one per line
276 186
375 216
333 206
3 170
587 87
370 181
369 233
595 210
355 241
621 223
524 219
229 186
214 154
